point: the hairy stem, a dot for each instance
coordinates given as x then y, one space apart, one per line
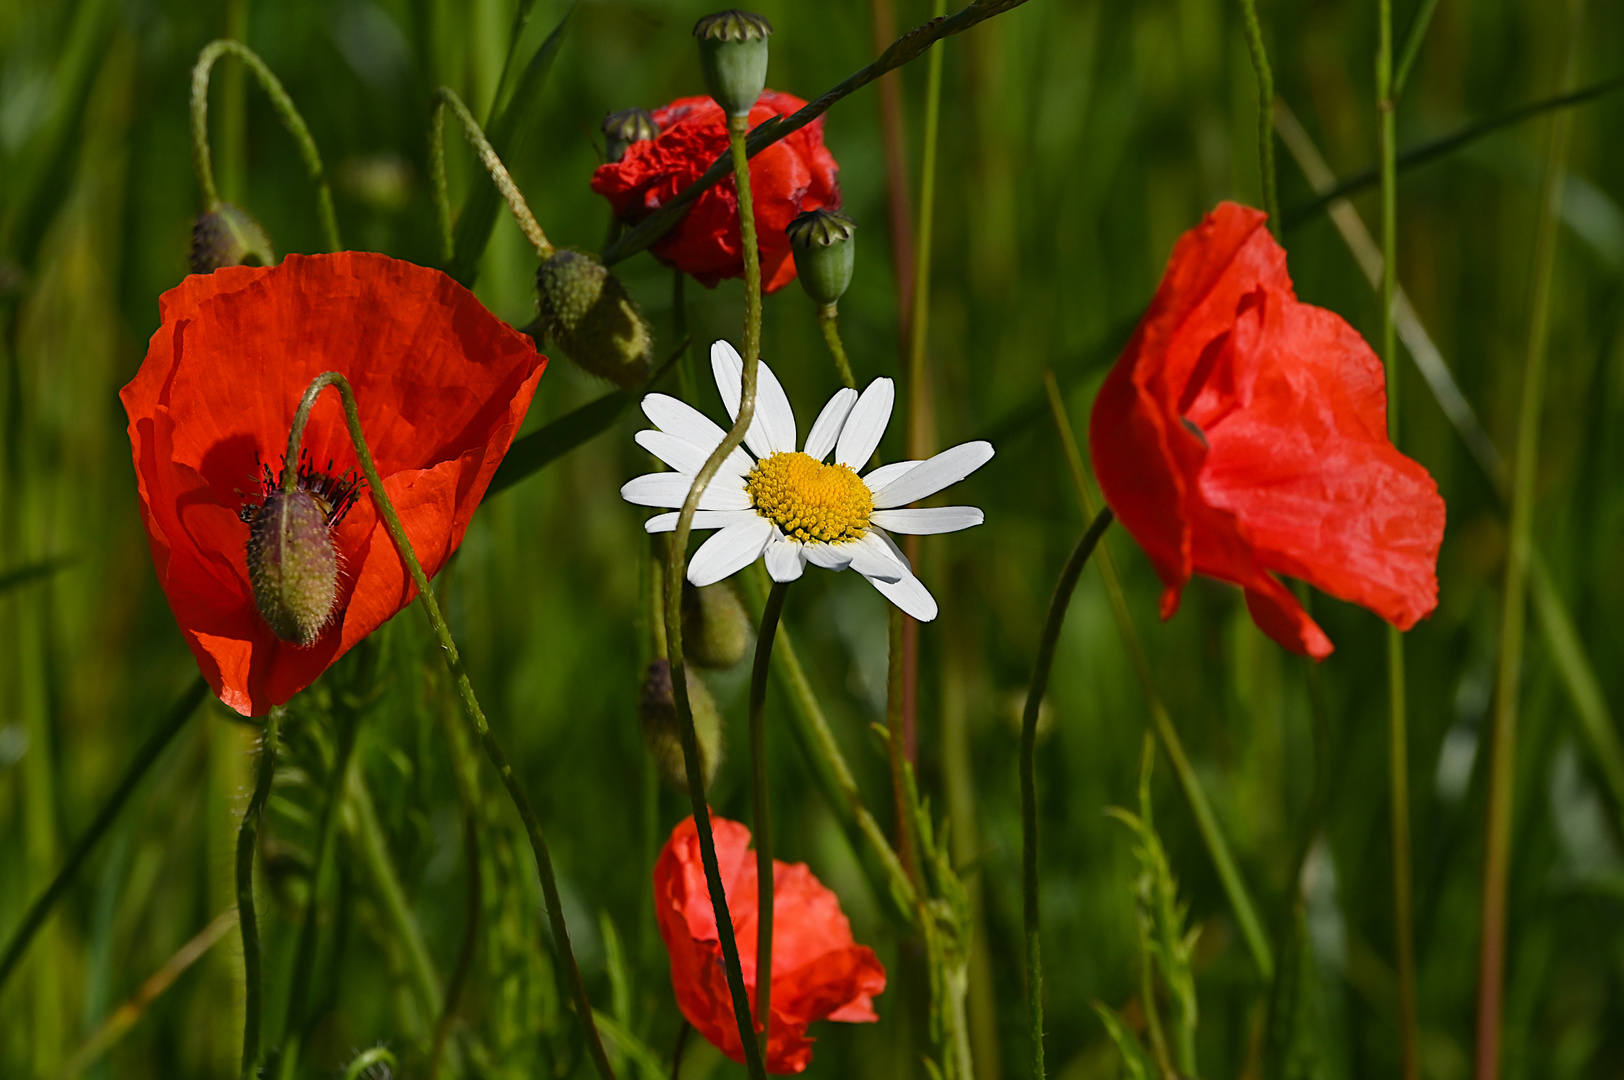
446 98
247 918
760 809
1265 111
829 323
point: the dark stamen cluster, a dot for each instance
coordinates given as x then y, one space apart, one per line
336 492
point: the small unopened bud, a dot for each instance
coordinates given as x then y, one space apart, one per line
588 313
825 244
628 126
715 626
293 565
733 56
228 236
661 735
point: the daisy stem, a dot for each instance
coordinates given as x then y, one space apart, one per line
1029 794
761 818
828 322
201 159
1240 901
465 692
247 919
446 98
180 712
1265 111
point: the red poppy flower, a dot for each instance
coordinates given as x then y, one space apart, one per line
1243 434
442 386
819 972
792 175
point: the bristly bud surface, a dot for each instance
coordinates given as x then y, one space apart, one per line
825 245
292 564
658 710
623 128
733 56
586 310
228 236
715 626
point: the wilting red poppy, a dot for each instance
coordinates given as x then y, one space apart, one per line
442 386
819 972
1243 434
793 175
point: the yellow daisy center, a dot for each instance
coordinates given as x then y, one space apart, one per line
808 500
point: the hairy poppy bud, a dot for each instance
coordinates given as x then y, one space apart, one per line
628 126
733 55
715 626
292 564
587 311
825 248
658 709
228 236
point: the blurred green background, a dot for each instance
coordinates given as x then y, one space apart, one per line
1078 139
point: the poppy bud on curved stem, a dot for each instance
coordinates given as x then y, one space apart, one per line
657 707
733 56
228 235
623 128
587 311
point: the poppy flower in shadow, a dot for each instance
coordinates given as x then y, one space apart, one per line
1243 434
793 175
442 385
819 972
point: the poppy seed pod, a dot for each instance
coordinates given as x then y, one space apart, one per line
588 313
228 236
825 245
623 128
733 56
658 711
292 564
715 626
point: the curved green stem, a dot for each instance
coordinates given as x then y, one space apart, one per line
465 692
366 1059
1029 792
828 322
247 918
291 119
168 728
760 808
1265 111
446 98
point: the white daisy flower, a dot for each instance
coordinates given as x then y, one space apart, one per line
791 505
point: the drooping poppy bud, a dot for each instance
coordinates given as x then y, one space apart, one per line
587 311
658 710
825 244
623 128
715 626
733 56
228 236
292 564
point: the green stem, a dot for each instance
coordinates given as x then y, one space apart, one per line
760 808
290 119
465 692
468 796
1265 111
679 331
360 1065
247 918
1029 790
1412 46
168 728
446 98
828 322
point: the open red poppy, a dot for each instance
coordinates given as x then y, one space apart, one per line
1243 434
792 175
819 972
442 386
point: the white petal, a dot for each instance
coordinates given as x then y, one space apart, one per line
729 551
671 489
703 519
829 556
685 457
676 417
887 473
785 560
908 594
773 429
929 477
873 559
891 545
826 429
866 424
935 519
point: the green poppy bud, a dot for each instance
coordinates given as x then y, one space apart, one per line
292 564
588 313
658 710
623 128
733 56
228 236
825 244
715 626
